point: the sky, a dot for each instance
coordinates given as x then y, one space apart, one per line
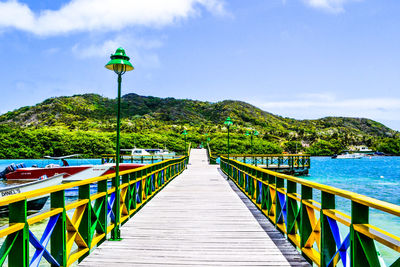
304 59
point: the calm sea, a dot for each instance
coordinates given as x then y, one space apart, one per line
376 177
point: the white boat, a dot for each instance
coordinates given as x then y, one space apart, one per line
35 203
71 173
348 156
136 152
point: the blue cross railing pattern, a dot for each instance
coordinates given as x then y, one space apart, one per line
323 234
74 229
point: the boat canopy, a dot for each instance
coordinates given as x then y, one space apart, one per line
62 157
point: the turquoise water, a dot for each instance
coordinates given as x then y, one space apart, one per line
376 177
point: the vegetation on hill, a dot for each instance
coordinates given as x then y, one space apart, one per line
86 124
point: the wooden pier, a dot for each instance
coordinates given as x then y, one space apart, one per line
197 220
172 216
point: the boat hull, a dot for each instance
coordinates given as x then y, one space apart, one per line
71 173
33 204
34 173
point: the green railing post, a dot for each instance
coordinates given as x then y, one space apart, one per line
127 201
19 254
58 239
265 193
101 203
271 184
292 210
279 183
229 162
305 225
328 245
362 248
86 222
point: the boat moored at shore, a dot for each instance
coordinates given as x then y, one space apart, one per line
71 173
33 204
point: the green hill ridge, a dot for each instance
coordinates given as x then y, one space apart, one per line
86 124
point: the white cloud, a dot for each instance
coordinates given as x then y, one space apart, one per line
102 15
333 6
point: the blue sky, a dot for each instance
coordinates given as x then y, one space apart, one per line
304 59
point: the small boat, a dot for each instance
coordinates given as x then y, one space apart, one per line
71 173
137 151
347 155
33 204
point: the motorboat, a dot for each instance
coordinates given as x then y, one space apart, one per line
71 173
347 155
142 154
35 203
136 152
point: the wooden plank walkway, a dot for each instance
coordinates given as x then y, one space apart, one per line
197 220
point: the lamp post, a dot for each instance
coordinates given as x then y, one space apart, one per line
120 64
207 138
185 134
228 124
252 133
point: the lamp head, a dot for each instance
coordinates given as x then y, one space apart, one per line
228 122
119 62
255 132
184 132
247 133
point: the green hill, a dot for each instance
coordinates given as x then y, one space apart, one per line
86 124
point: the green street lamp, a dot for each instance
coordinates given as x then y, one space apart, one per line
120 64
228 124
252 133
185 134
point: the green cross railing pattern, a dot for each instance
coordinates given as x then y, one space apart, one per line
211 158
313 227
73 237
275 161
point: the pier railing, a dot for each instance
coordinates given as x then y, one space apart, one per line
75 229
271 161
143 159
313 227
211 158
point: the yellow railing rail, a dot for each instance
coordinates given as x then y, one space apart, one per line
296 215
211 158
93 214
264 155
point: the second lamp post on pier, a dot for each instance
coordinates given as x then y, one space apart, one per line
251 133
228 124
120 64
185 134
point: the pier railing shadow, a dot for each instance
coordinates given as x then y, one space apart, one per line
75 229
316 228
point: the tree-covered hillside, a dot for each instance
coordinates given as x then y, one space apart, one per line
86 124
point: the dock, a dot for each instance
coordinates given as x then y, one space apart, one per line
197 220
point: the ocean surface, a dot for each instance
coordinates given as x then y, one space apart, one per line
376 177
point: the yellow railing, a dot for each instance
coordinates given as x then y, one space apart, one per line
312 226
275 161
211 158
93 218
